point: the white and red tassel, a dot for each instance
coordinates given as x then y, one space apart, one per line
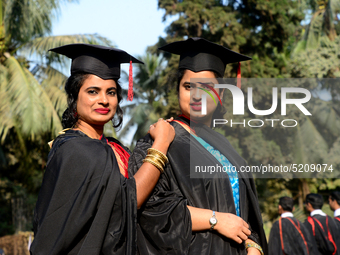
130 91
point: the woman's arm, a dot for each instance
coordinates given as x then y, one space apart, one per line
147 175
228 224
252 250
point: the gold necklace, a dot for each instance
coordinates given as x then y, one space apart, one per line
84 132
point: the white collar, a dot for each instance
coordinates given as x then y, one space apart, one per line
317 212
337 212
286 214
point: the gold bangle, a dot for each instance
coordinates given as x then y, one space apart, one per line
154 151
158 166
156 158
254 245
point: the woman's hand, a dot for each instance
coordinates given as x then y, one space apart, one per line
232 226
147 176
163 134
228 224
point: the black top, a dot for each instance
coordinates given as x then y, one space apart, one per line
85 206
337 221
198 54
295 237
95 59
321 234
164 223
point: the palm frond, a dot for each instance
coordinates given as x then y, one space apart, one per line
25 101
309 150
24 20
126 128
54 87
58 99
6 115
52 76
29 102
41 45
51 121
314 31
326 116
109 130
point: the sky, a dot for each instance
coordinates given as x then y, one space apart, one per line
131 25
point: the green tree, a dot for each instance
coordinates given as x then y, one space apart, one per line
322 27
31 99
268 31
149 102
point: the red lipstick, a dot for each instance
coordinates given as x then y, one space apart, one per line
196 106
102 110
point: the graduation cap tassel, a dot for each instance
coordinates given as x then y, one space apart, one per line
130 91
239 75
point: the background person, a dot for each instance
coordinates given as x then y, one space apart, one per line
322 227
334 203
288 235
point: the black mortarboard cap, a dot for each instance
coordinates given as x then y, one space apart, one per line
198 54
98 60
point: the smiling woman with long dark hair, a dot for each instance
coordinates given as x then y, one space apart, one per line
88 203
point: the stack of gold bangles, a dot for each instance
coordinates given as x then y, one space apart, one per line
156 158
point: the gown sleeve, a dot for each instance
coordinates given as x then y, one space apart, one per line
320 239
254 216
164 222
335 231
294 242
274 243
85 206
313 249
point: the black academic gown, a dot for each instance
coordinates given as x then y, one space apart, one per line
164 223
337 221
85 206
321 237
293 242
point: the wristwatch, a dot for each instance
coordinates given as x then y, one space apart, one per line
213 221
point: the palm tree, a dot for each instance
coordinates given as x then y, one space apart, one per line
31 94
149 102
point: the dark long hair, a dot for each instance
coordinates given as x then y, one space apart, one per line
72 87
220 110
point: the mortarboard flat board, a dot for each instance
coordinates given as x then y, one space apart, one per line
98 60
198 54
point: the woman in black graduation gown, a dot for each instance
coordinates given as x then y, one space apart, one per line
180 215
87 203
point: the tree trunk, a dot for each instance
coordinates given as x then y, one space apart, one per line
300 196
303 192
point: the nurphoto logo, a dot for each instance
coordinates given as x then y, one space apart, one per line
239 104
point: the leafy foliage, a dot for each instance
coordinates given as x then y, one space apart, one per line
32 101
274 34
286 39
149 102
